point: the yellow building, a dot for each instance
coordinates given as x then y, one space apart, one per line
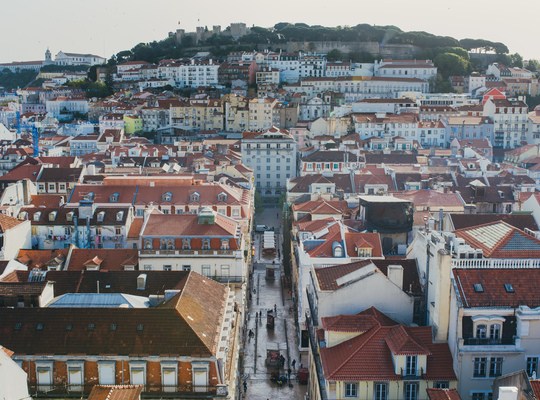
132 124
370 356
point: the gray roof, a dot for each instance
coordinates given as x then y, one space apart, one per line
99 300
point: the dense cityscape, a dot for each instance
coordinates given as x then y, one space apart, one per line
295 212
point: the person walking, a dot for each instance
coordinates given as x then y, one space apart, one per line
293 363
245 387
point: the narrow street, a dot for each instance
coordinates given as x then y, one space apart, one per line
265 294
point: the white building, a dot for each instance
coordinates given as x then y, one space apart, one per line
13 383
78 59
65 105
420 69
510 120
272 157
15 234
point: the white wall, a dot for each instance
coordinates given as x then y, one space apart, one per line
12 379
18 237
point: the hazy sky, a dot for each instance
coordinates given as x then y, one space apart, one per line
104 27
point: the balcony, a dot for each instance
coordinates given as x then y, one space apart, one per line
150 391
412 375
489 342
186 252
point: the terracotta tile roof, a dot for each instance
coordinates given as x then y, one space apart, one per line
520 221
7 222
401 343
443 394
500 240
361 180
358 240
135 228
188 225
389 159
430 198
368 356
18 173
327 277
331 156
339 207
118 392
189 324
105 259
47 200
535 384
40 259
524 282
11 289
302 183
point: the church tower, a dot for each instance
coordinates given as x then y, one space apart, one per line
48 58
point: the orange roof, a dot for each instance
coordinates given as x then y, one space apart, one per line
7 222
116 392
443 394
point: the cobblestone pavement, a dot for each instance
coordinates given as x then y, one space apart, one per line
264 295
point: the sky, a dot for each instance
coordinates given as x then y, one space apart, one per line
105 27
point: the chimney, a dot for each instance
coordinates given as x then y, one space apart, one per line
141 282
508 393
395 274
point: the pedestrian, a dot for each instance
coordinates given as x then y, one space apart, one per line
293 364
256 315
275 308
277 215
254 291
245 386
289 374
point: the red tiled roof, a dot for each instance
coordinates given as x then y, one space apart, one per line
499 239
535 384
189 325
368 356
524 281
401 343
117 392
187 225
7 222
106 259
135 228
443 394
41 258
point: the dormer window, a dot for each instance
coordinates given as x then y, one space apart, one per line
224 244
222 197
113 198
338 251
194 197
101 216
167 196
206 244
119 216
69 216
52 216
186 244
37 216
411 365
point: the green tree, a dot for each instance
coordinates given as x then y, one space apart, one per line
334 55
259 205
449 64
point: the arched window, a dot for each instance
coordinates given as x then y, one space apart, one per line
147 244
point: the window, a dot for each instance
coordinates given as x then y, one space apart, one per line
481 331
167 268
137 372
186 244
169 376
225 244
495 366
532 366
480 364
205 269
441 385
351 389
381 391
44 375
495 331
106 372
410 365
75 376
482 396
411 391
186 268
206 244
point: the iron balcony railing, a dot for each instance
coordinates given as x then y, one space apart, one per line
489 342
150 391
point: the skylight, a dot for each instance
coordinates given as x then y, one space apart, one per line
478 288
509 288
